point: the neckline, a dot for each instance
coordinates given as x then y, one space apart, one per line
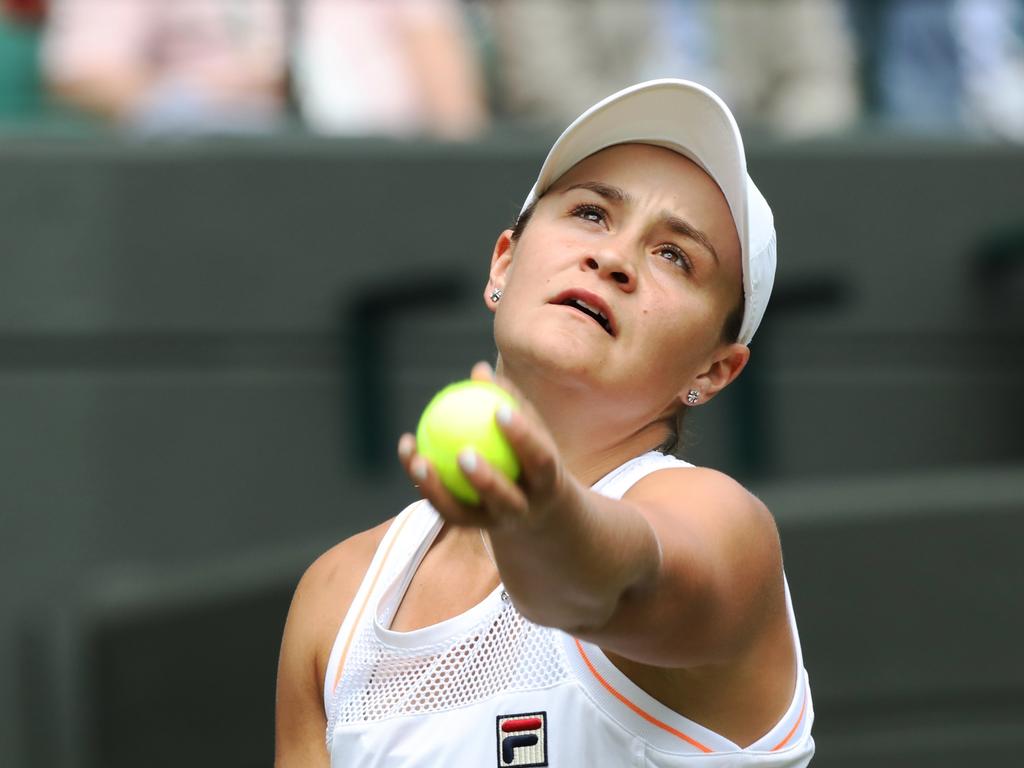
387 605
442 631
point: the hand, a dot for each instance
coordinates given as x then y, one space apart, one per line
543 485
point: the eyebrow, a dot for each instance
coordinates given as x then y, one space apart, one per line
684 228
606 191
674 223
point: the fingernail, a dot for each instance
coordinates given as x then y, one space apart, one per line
487 368
419 468
467 459
504 414
405 447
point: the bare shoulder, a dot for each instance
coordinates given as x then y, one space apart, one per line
344 563
709 499
711 638
327 588
720 548
321 600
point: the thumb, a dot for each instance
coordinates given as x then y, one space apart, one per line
482 371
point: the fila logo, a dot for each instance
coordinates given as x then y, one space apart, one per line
523 740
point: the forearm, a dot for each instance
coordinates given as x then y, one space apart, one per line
571 568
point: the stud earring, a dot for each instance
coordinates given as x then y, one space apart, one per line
496 295
692 396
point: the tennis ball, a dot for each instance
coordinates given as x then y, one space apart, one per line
462 416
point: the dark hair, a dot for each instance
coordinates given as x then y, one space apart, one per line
522 220
730 334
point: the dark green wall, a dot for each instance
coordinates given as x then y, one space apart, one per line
208 349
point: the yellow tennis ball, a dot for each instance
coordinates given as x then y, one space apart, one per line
462 416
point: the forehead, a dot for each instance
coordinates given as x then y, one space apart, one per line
659 176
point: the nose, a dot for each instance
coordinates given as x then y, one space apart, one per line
611 265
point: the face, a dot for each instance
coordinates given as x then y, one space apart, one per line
622 280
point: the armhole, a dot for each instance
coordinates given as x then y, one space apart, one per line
618 482
664 728
790 731
792 728
356 609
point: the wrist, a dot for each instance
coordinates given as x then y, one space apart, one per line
562 508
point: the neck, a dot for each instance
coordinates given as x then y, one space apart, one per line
590 447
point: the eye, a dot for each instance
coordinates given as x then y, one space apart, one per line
590 212
676 255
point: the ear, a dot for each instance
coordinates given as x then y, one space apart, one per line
501 260
725 366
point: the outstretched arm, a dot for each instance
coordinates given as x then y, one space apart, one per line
680 572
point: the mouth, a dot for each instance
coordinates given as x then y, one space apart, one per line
591 305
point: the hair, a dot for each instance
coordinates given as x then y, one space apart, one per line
522 220
730 334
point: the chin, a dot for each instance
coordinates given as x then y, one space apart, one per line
552 342
554 358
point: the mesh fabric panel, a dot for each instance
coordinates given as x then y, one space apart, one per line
503 652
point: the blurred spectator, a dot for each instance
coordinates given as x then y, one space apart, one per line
789 65
684 43
919 81
170 65
430 67
398 67
20 89
990 42
554 59
25 11
946 65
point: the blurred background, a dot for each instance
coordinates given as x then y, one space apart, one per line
243 241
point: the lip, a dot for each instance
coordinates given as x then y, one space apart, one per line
593 300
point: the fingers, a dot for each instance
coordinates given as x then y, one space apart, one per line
538 456
482 371
406 449
424 476
504 502
501 500
530 440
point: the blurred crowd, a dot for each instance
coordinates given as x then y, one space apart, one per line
452 69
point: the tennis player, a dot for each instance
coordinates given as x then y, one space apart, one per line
616 606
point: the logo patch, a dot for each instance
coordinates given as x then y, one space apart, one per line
523 740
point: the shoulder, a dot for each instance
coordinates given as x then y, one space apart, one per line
709 524
321 600
343 564
326 590
699 492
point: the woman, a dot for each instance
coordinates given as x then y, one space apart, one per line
616 606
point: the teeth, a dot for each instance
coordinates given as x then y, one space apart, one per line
595 310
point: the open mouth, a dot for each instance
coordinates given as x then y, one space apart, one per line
591 311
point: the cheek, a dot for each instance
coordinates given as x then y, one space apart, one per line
534 270
682 330
550 244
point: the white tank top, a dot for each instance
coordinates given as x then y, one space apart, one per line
489 687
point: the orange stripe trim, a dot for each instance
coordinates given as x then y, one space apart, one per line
366 598
649 718
796 725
